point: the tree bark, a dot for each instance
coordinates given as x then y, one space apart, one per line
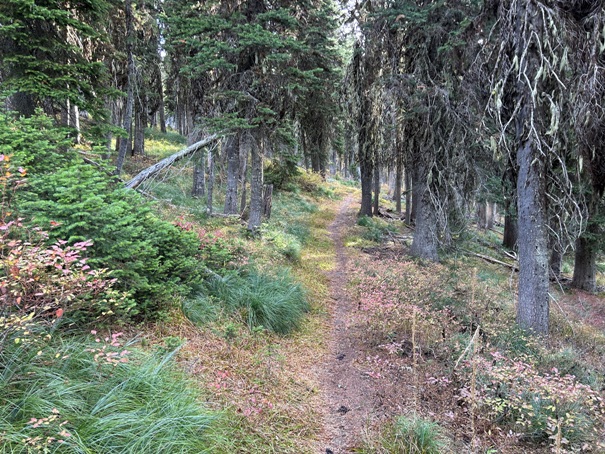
424 245
416 195
585 269
482 215
585 265
533 304
367 172
160 94
376 189
243 171
408 196
140 122
232 146
398 178
267 200
256 187
125 144
490 213
209 200
199 177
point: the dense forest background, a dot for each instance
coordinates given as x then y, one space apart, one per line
469 114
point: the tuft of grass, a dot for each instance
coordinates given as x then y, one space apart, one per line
408 435
273 302
77 395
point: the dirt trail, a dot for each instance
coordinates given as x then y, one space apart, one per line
347 392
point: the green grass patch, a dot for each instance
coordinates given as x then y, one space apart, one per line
78 395
274 302
408 435
161 145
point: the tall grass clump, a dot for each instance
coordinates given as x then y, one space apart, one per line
274 302
97 395
409 435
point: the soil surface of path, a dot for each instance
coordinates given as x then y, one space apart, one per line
347 392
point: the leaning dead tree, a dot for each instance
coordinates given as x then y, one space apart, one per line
167 162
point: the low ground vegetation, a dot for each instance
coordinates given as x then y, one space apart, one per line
448 331
227 365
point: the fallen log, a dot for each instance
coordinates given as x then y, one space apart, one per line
167 162
487 258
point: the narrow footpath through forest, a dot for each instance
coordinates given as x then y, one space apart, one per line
347 392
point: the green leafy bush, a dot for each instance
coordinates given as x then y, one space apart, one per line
540 406
103 396
280 172
274 302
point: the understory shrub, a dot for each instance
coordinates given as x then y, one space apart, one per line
97 395
76 202
376 230
46 281
273 302
286 244
540 406
152 258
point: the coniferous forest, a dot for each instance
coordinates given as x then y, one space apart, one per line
322 226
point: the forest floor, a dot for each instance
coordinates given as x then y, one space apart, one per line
388 340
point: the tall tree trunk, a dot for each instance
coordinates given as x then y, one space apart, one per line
74 122
424 244
585 265
160 93
243 171
511 231
408 196
127 125
367 172
210 188
398 178
256 186
533 304
232 146
490 214
482 215
585 269
416 195
376 189
554 265
199 177
140 122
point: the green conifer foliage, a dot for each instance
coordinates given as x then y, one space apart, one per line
49 56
